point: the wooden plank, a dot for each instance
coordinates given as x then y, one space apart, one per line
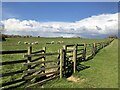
79 57
80 44
38 52
70 45
12 62
61 62
80 53
84 52
43 81
69 51
29 58
11 82
40 75
94 44
74 58
11 73
40 62
31 76
98 43
80 49
88 56
13 86
70 48
36 59
69 56
46 54
64 57
35 70
32 67
13 52
43 59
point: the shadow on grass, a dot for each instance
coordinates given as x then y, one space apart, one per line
69 67
80 66
92 56
69 64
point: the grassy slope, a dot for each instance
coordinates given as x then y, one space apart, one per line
103 71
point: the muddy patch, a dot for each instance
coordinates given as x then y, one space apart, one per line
73 79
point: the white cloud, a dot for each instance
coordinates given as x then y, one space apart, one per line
105 24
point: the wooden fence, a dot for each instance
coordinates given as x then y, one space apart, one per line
40 66
12 62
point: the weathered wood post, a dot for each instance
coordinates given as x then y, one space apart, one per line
58 58
102 45
61 62
43 59
28 67
64 58
93 49
94 45
29 57
84 53
42 65
74 58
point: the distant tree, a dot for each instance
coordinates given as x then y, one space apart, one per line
27 36
77 36
2 38
38 36
113 36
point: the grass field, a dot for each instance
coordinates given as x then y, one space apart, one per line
87 75
102 72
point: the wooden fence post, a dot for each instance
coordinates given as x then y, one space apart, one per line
64 57
94 48
61 62
59 57
102 44
28 61
84 53
29 58
74 58
43 59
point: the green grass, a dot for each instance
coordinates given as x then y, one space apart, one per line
12 44
103 71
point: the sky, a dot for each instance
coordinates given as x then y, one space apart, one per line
67 19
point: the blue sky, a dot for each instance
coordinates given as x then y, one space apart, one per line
57 11
67 19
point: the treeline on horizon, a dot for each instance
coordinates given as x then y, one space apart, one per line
27 36
3 36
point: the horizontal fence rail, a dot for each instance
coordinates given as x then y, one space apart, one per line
46 54
12 73
13 52
40 62
12 62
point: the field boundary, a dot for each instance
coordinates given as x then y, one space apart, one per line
66 61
